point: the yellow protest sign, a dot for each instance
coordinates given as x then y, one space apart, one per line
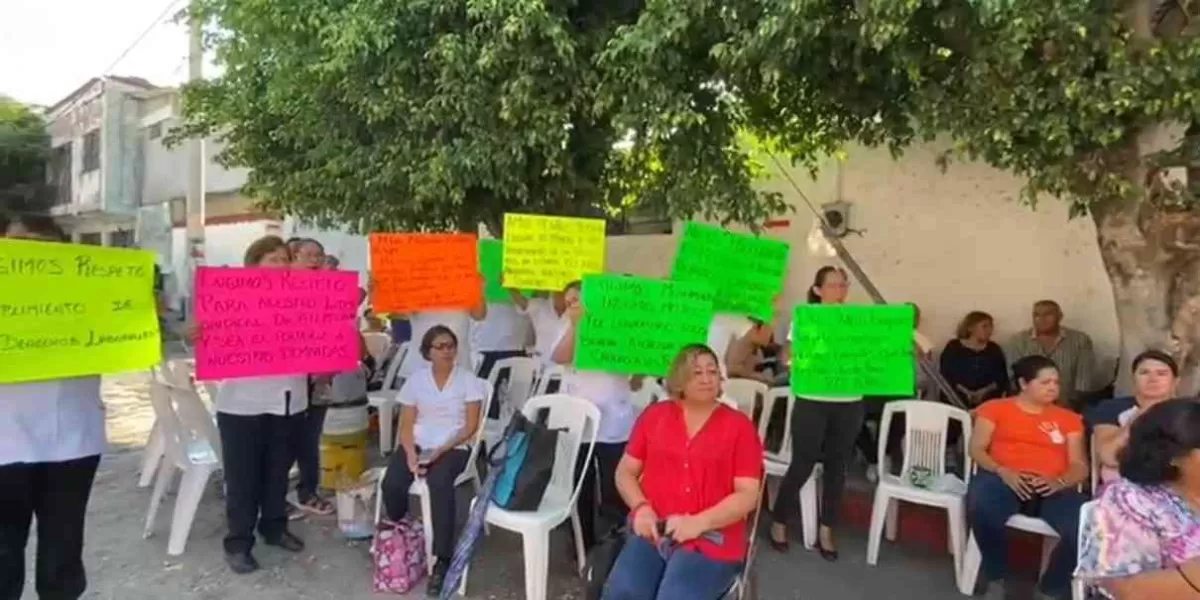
547 253
69 310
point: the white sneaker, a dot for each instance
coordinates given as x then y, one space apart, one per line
872 473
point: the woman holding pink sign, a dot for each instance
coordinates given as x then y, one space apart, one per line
257 418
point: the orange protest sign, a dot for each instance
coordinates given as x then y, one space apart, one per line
424 271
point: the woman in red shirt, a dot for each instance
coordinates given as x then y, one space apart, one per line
693 466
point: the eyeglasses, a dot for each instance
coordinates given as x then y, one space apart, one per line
444 346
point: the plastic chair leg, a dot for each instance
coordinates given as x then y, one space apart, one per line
387 415
191 489
152 455
1048 544
970 567
881 510
160 489
577 529
956 515
537 564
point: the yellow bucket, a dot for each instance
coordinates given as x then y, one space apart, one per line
343 459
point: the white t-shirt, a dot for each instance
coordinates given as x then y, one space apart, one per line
51 421
609 392
286 395
721 333
505 328
441 414
547 324
459 321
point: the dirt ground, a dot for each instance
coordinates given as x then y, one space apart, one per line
123 566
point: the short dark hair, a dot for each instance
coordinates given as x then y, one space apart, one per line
577 284
262 247
1027 369
1163 434
39 225
969 322
1158 356
433 334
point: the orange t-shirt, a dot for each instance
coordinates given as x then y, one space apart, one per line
1027 442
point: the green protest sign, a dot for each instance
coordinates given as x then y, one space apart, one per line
491 258
849 350
746 272
637 326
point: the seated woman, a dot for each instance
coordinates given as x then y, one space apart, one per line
973 364
439 413
1155 376
1030 454
695 464
1147 526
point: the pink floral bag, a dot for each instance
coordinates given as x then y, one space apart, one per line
399 553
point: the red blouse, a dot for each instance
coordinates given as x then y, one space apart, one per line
687 477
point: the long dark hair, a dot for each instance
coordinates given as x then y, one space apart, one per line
1165 433
819 280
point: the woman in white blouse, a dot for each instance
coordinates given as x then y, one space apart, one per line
440 407
257 417
611 394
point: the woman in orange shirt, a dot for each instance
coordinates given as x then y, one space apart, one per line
1031 456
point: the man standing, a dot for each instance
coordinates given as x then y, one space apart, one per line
51 439
1070 349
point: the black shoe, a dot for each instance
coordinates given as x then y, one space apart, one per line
241 562
433 589
779 546
829 555
288 541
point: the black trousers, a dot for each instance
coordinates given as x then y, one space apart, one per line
306 447
600 475
490 358
258 454
825 432
58 494
442 499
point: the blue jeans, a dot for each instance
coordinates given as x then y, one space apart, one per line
640 573
991 502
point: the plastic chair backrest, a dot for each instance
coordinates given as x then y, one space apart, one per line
925 435
773 396
548 374
175 372
478 437
650 393
187 439
576 418
393 367
522 373
378 344
745 393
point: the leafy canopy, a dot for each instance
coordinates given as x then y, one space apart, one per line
24 148
410 114
1057 91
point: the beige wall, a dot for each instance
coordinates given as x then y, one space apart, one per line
951 242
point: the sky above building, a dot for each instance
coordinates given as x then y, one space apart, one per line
48 48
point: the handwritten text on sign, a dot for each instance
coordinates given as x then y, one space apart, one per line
491 261
423 271
547 253
747 271
68 310
638 326
257 322
849 350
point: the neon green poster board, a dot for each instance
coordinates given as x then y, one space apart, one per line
491 261
637 326
852 350
747 272
68 310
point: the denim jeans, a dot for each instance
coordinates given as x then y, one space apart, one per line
641 573
991 502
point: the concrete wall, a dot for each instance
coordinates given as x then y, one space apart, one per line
951 242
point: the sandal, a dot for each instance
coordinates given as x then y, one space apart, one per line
316 505
293 513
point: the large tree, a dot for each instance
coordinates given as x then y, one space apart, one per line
414 114
1093 102
24 150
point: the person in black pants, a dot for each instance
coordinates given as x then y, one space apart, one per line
440 413
823 429
51 438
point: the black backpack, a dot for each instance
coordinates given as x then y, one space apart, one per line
526 465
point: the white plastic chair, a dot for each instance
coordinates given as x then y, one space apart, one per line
1087 532
574 417
419 488
745 394
650 393
384 400
971 561
521 381
378 344
177 373
188 449
775 464
925 440
549 373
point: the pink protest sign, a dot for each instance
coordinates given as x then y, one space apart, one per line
256 322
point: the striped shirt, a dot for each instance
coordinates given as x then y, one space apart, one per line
1072 352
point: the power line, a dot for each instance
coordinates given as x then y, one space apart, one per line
157 21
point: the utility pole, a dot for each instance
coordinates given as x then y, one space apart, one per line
195 183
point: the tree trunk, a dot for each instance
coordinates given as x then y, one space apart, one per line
1154 270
